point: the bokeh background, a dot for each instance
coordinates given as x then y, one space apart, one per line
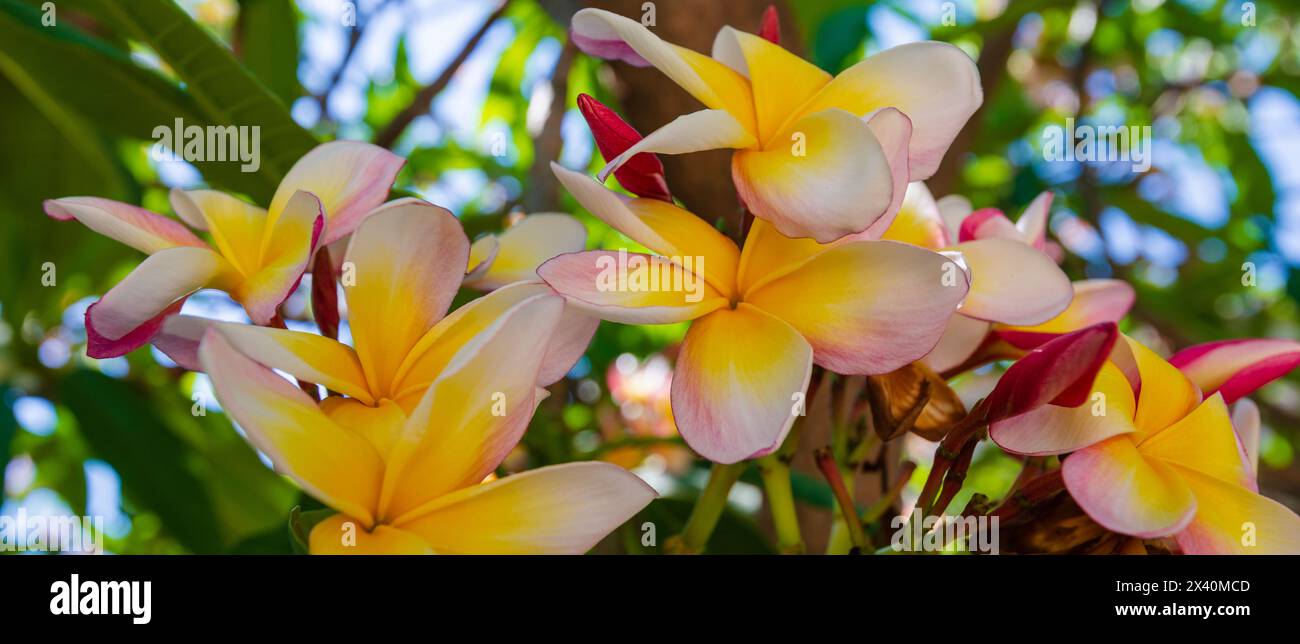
480 96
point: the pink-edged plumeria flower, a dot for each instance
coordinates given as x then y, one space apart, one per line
1150 456
1012 281
426 408
817 156
762 316
255 255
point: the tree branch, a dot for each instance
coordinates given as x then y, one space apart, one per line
424 98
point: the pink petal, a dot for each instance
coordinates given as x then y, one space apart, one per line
128 315
1060 372
1127 493
731 402
98 346
894 130
588 280
1012 283
1032 224
987 223
351 178
1236 368
134 226
179 339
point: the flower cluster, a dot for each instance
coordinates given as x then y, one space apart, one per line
850 287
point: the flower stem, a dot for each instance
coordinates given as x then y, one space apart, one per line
708 509
826 463
780 500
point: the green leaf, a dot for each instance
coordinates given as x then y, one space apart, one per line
839 35
225 91
8 428
122 428
50 152
301 523
83 75
268 45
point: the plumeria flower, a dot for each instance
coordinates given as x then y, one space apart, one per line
429 405
1150 456
817 156
761 316
1026 299
255 255
1011 282
401 273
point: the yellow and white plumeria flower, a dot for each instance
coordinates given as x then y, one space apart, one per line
429 405
764 315
817 156
256 255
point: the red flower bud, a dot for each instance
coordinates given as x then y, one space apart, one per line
643 174
771 29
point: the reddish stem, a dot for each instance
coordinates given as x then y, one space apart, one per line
1031 494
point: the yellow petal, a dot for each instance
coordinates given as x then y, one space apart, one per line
525 246
330 462
1203 441
561 509
935 84
310 357
632 288
343 535
829 177
768 255
1231 519
1165 394
381 424
780 80
236 226
285 252
475 412
918 222
661 227
731 401
867 307
403 267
